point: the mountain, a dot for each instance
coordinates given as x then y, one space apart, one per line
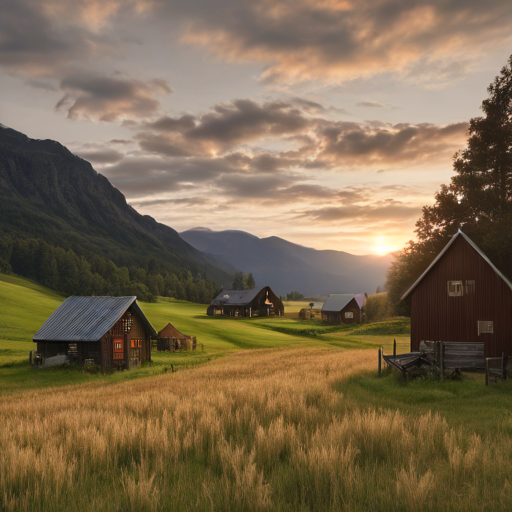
287 267
48 193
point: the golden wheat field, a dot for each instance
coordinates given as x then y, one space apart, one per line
254 431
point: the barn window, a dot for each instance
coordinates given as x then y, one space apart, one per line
349 314
454 288
72 348
485 327
470 286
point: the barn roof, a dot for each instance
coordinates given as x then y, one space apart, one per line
169 331
236 297
87 318
440 255
337 301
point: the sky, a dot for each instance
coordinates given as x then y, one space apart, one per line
329 123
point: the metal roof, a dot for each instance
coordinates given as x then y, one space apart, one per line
337 301
87 318
236 297
440 255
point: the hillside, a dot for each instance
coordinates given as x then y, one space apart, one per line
48 193
286 266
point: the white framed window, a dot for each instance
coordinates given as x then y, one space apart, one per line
485 327
349 314
470 286
455 288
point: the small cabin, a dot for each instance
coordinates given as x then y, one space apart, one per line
169 338
462 297
249 303
343 308
111 332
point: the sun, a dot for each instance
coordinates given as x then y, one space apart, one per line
381 248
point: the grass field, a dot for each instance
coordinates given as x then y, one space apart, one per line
27 305
273 415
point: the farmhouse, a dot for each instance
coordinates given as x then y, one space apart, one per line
111 332
462 297
343 308
256 302
169 338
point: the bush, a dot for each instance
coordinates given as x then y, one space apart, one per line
377 308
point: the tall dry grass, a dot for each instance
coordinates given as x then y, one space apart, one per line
258 431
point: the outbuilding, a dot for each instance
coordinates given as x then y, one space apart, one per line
256 302
111 332
343 308
462 297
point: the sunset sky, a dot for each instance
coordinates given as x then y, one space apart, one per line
329 123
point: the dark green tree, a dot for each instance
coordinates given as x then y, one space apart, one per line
249 282
238 281
477 200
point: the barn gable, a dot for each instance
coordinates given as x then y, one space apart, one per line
462 297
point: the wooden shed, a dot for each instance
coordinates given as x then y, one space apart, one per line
256 302
111 332
343 308
169 338
462 297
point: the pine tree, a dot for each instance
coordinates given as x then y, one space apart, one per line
249 282
478 199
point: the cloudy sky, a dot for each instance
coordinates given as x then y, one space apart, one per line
326 122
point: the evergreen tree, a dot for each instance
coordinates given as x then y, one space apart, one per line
478 199
238 281
249 282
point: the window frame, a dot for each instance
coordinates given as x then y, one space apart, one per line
459 292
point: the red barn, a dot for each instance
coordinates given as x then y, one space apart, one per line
463 297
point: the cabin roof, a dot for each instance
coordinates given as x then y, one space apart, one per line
337 301
236 297
87 318
441 254
169 331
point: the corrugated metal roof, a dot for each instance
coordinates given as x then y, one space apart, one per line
337 301
236 297
440 255
86 318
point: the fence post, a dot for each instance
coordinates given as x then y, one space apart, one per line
486 371
441 352
380 362
394 348
504 365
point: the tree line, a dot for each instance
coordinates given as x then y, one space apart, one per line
478 199
65 271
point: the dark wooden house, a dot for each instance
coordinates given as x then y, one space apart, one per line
343 308
256 302
462 297
111 332
169 338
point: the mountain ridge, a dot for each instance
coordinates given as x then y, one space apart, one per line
286 266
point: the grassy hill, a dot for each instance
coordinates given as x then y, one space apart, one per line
26 305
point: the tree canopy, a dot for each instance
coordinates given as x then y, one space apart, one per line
478 199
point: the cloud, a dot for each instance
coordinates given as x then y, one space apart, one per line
105 156
344 39
381 211
39 39
370 104
402 142
224 127
107 98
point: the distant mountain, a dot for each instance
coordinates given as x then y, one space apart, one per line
48 193
287 267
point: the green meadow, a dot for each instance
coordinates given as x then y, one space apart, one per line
26 305
268 414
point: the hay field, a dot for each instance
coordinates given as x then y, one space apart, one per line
282 429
